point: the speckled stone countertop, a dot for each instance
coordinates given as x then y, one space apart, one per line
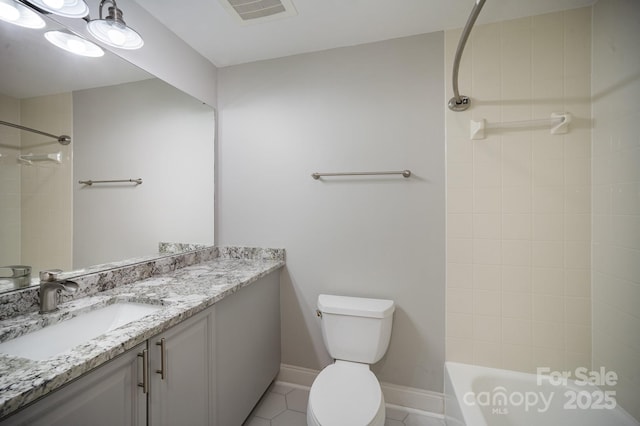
182 293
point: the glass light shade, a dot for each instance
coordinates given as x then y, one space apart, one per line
55 4
115 34
9 11
18 14
74 44
67 8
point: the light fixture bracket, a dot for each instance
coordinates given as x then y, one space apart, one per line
115 13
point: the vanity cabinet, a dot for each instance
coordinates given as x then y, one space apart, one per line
106 396
247 348
210 369
181 385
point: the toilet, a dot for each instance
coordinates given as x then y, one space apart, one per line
356 332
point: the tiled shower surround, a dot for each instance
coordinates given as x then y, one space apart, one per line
518 202
35 199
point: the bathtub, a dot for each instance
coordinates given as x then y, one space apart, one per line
483 396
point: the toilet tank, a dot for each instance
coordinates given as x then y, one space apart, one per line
354 328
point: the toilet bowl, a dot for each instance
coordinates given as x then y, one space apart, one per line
356 332
346 394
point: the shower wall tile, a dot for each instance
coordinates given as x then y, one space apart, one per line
459 300
459 275
487 328
460 225
486 277
548 281
578 310
516 278
527 253
46 199
460 325
548 226
10 185
460 175
459 349
517 357
516 332
486 200
516 305
486 225
516 226
577 283
517 199
516 252
486 353
578 227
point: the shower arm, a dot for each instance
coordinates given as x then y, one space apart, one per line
63 139
458 102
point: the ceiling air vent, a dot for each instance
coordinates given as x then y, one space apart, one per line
254 11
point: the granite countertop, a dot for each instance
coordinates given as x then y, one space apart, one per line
181 294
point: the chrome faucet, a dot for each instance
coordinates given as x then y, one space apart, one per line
50 286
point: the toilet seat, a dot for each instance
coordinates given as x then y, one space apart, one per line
346 394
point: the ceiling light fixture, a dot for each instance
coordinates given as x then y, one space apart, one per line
66 8
113 31
18 14
74 44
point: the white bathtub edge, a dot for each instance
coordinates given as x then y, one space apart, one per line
459 379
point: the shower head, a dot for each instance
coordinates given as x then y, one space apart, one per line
459 102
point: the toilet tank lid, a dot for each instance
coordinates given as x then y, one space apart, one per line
355 306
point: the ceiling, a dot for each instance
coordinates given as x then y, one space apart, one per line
324 24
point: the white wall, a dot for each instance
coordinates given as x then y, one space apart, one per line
377 106
145 130
616 205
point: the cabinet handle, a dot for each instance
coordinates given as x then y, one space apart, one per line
163 359
145 371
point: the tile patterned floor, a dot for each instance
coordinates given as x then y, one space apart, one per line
286 405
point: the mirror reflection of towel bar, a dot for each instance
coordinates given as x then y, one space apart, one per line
404 173
91 182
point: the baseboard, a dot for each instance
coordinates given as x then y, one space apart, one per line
403 396
297 375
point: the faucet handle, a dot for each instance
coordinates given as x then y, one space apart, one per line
49 275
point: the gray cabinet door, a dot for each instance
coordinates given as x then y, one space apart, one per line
183 396
107 396
247 347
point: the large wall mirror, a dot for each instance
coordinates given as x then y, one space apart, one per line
124 124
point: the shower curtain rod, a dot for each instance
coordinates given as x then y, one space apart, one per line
63 139
458 102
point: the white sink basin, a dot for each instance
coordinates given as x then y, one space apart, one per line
57 338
